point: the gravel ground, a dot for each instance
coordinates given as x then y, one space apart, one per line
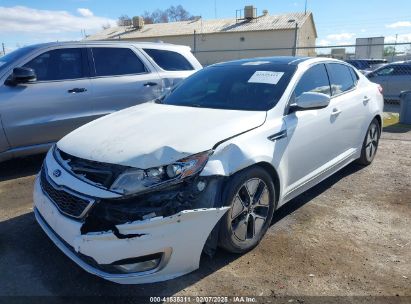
348 236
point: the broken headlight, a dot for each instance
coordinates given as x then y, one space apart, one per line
138 180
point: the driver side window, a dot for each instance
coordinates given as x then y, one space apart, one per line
58 64
315 80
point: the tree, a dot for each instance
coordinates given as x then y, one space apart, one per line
158 16
389 51
173 13
124 20
178 13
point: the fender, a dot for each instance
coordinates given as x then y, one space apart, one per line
265 144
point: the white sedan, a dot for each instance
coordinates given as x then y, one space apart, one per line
137 196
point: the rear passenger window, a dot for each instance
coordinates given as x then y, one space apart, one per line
58 64
314 80
169 60
402 70
340 78
116 61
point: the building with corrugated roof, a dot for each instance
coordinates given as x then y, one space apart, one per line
219 40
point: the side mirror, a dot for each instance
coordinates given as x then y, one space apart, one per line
21 75
310 101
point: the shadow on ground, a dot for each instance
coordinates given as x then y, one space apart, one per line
398 128
31 265
20 167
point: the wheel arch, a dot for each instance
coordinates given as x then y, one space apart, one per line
274 175
379 119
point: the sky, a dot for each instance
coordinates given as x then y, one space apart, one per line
338 22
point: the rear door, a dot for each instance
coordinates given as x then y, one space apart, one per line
121 78
172 66
349 107
58 102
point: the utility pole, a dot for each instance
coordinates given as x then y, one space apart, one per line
395 47
295 40
4 49
294 52
195 42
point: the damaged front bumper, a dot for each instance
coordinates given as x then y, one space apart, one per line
142 251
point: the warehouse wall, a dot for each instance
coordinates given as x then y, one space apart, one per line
217 47
306 38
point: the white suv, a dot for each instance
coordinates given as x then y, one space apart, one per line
136 196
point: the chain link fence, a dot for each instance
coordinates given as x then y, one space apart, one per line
380 53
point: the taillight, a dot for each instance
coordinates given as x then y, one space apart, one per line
380 89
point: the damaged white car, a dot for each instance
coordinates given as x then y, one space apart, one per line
137 196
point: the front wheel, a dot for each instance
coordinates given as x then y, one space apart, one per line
251 195
370 143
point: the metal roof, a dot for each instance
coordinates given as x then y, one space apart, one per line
262 23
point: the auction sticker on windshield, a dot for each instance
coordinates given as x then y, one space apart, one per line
268 77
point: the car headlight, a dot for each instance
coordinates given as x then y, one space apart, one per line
138 180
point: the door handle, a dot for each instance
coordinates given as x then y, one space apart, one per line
150 84
366 100
335 112
76 90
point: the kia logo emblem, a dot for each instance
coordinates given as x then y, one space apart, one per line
56 173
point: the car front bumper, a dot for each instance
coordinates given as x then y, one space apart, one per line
179 239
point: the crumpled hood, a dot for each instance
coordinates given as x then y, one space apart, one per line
151 135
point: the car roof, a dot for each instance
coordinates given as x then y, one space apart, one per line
157 45
290 60
280 60
369 60
400 63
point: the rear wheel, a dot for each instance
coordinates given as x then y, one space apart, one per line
370 143
251 196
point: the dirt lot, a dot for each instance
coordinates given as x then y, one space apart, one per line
350 235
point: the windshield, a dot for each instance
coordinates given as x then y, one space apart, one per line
8 59
235 87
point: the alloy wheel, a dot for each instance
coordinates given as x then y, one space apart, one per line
250 208
372 142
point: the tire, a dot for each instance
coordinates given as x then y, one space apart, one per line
245 224
370 143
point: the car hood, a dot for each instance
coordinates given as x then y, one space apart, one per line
150 134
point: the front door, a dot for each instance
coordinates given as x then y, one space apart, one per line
309 133
57 103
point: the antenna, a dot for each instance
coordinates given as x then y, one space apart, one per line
305 8
215 9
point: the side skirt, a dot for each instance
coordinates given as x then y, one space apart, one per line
319 177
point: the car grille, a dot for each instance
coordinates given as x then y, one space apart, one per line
100 174
67 203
